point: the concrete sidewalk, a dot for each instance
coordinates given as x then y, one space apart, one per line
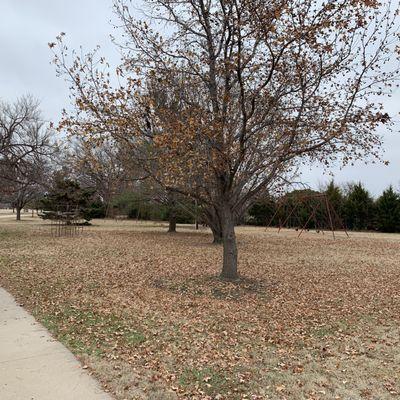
33 366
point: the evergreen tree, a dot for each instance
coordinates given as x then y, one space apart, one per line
302 205
66 195
388 211
359 208
262 211
335 197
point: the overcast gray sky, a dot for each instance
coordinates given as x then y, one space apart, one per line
26 26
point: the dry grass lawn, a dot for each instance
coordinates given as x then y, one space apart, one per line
311 318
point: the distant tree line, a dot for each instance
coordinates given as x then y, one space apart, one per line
100 181
351 207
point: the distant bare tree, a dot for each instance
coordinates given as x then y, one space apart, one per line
102 167
23 183
18 123
26 148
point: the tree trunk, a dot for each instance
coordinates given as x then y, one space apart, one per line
171 212
196 218
229 267
217 233
213 220
18 213
172 222
108 209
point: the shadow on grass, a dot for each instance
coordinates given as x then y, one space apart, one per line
217 288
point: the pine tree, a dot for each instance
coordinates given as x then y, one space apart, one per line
335 197
359 208
262 211
66 195
388 211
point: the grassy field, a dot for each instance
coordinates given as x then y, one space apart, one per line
311 318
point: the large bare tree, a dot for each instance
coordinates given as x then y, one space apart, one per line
26 149
250 89
18 122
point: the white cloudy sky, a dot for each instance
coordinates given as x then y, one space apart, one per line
26 26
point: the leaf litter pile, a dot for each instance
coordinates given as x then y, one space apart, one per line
311 318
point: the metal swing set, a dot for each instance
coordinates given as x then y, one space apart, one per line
317 202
